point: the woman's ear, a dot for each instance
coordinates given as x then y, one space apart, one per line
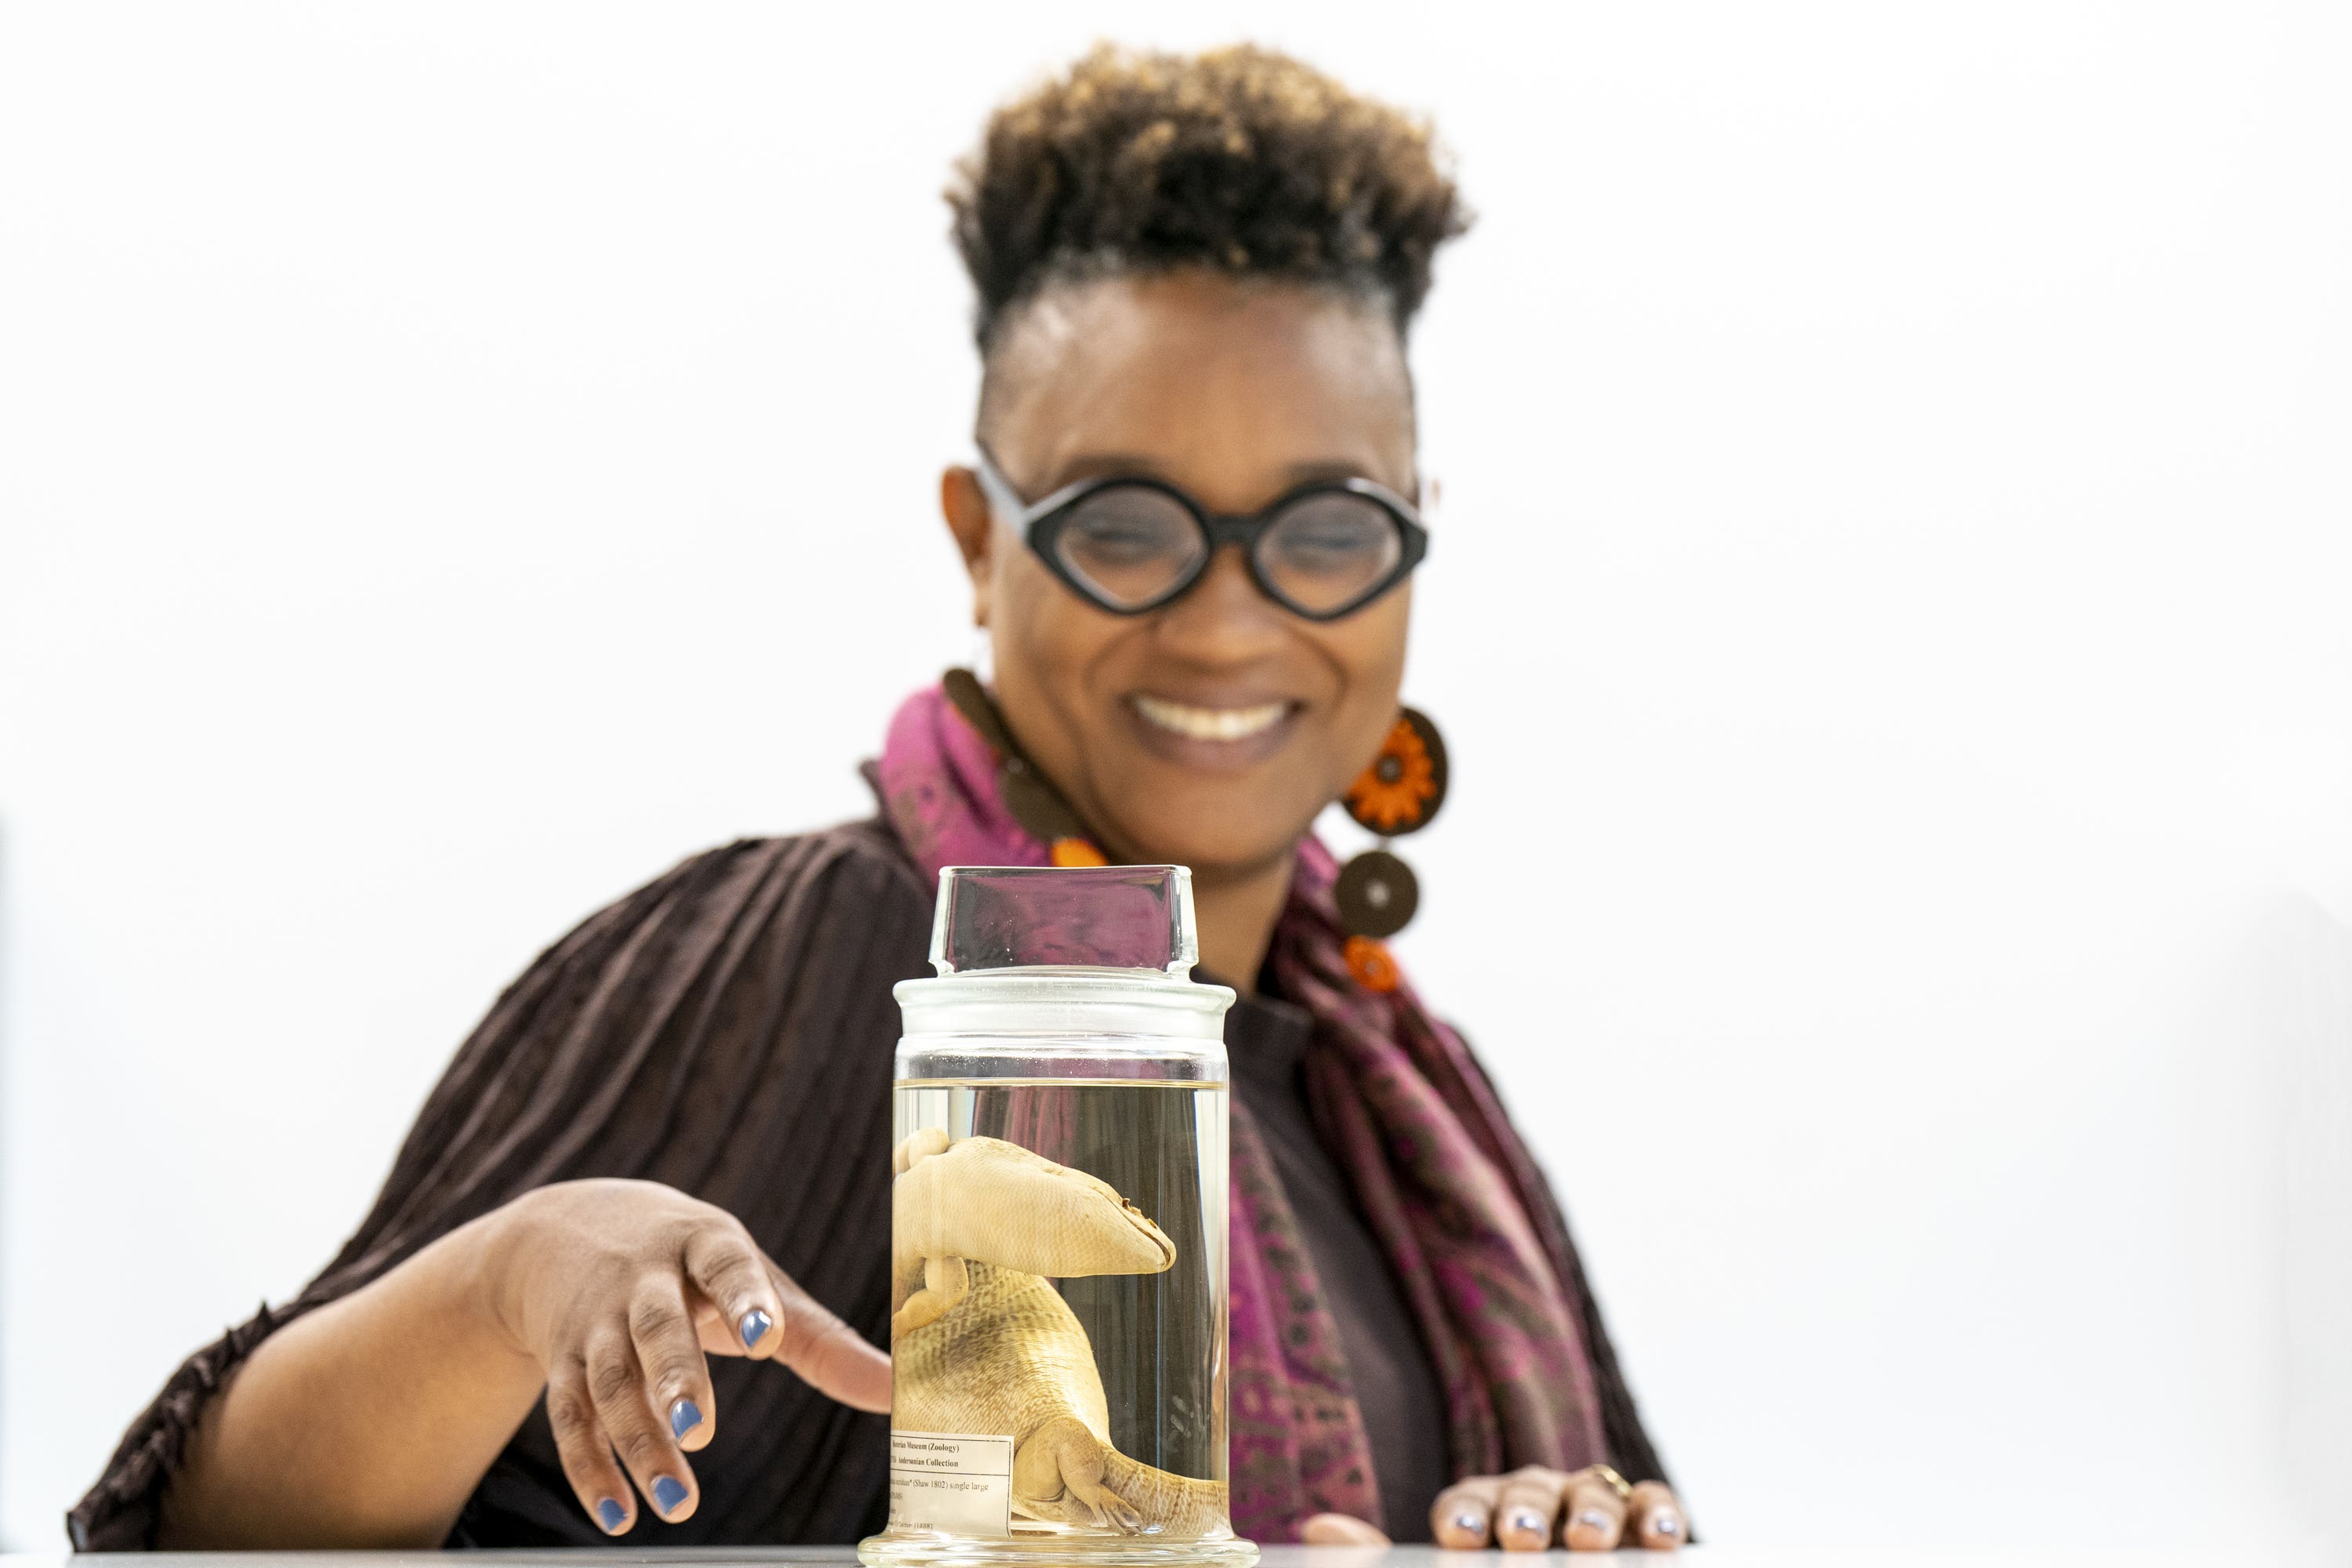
965 506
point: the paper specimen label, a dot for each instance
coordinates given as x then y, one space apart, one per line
951 1481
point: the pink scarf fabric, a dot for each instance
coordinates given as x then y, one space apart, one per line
1446 1187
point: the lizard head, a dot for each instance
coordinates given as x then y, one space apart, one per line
994 1202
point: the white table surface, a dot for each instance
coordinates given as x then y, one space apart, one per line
2233 1555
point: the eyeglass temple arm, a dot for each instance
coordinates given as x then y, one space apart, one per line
1002 498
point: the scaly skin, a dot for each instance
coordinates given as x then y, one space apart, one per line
981 1343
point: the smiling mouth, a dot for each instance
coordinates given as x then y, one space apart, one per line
1208 723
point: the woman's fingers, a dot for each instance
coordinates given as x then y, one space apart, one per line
770 1317
677 1380
1462 1519
1529 1507
1339 1529
1521 1512
1656 1518
617 1388
831 1357
736 1278
629 1289
1596 1514
584 1449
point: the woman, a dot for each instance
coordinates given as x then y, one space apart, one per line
660 1160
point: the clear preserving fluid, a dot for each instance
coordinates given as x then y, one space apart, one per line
1088 1374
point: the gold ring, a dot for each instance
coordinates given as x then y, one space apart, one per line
1617 1483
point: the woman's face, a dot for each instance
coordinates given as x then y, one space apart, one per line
1210 732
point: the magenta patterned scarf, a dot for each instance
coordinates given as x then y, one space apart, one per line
1446 1184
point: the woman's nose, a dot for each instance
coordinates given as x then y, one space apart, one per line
1225 619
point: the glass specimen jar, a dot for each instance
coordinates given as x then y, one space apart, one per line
1058 1229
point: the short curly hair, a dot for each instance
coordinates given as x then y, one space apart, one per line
1239 159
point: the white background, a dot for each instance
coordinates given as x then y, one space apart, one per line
1888 609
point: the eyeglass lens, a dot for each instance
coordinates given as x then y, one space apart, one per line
1324 552
1132 544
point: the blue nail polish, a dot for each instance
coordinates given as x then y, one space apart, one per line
755 1323
684 1417
612 1514
667 1494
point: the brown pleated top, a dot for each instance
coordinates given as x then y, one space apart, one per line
728 1029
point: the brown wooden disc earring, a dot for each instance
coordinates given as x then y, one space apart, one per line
1377 892
1034 804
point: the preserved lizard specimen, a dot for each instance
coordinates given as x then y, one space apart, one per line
980 1341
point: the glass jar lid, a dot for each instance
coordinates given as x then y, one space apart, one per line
1052 949
1057 917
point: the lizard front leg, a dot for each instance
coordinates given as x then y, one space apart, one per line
922 1289
946 1281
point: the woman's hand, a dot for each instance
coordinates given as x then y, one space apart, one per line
618 1289
1530 1509
369 1422
1590 1509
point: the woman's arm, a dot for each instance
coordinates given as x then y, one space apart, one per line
369 1422
736 1006
366 1423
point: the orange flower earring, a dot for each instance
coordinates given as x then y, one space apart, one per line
1377 893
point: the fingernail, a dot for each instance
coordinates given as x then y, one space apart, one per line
1525 1522
667 1494
1470 1522
612 1515
1665 1524
755 1323
1593 1519
684 1417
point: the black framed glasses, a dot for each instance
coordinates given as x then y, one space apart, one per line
1127 545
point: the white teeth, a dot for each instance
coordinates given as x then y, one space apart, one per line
1210 723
